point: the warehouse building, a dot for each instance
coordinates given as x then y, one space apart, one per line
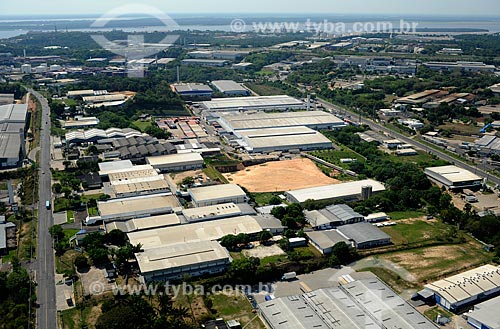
136 207
78 137
468 288
254 103
13 125
364 235
365 303
283 140
192 91
345 191
454 177
217 194
194 259
143 223
141 188
130 175
219 211
81 122
106 168
317 120
324 241
332 216
205 62
485 315
177 162
202 231
230 88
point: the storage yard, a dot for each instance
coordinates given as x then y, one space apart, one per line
275 176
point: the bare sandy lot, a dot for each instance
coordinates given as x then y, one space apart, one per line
280 176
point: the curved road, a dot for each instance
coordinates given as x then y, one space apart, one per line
378 127
46 289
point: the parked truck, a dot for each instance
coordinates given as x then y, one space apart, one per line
47 204
288 276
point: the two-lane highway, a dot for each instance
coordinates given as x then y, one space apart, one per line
378 127
46 290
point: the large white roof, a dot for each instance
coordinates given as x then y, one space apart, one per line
216 192
181 255
465 285
287 119
454 174
203 231
173 159
252 102
335 191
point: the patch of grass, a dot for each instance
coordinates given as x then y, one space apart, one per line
70 216
265 90
215 175
236 307
87 198
64 263
418 231
334 156
3 186
263 199
433 313
430 263
8 258
398 215
92 211
273 259
142 125
421 158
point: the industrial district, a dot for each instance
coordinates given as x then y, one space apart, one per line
333 181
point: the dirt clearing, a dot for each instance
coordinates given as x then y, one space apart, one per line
280 176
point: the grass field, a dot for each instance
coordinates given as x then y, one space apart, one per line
430 263
334 156
236 307
265 90
421 158
417 231
142 125
398 215
262 199
461 129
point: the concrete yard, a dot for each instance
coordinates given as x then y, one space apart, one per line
263 251
281 176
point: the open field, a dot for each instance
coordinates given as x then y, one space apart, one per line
334 156
417 231
430 263
280 176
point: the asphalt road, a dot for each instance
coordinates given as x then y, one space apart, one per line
378 127
46 289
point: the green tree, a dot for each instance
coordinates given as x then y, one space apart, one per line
265 236
81 262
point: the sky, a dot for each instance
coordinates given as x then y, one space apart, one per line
376 7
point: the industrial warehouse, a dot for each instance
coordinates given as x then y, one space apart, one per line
465 289
271 132
453 177
230 88
363 303
13 125
316 120
358 190
259 103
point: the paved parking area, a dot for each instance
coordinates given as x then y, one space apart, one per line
63 291
60 218
94 281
